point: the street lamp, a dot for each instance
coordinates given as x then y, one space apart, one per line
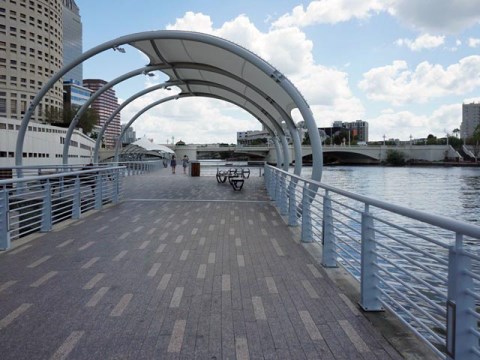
384 137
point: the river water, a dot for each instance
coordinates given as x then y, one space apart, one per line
450 191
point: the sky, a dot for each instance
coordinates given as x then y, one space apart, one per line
404 66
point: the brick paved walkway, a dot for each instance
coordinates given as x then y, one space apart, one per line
176 271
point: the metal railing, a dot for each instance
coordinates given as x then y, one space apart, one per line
422 267
33 198
34 203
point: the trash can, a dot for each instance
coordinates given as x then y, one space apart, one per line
194 168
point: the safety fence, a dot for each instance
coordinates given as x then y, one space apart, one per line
422 267
34 198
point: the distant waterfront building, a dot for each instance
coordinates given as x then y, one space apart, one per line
358 130
129 135
253 137
72 40
105 105
470 119
31 51
75 95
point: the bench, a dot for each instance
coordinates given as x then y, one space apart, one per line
236 178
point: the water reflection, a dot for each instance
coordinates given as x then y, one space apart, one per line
452 192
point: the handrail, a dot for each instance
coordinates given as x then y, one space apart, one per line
374 242
432 219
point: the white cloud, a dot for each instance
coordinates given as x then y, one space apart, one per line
326 89
473 42
193 22
425 41
193 120
398 85
402 124
444 16
330 12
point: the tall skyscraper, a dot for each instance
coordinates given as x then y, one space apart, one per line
470 119
31 51
72 40
105 105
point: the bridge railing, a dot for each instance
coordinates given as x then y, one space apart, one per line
422 267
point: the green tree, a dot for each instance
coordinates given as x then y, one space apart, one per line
53 115
431 139
88 120
474 140
395 158
456 131
455 142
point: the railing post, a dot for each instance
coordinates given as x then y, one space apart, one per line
98 191
292 204
47 208
4 221
278 194
283 195
77 201
369 283
329 258
116 187
307 235
460 305
273 185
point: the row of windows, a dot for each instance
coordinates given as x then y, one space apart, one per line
4 126
11 154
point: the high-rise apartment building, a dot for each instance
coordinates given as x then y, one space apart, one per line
129 135
72 40
105 105
358 129
31 51
470 119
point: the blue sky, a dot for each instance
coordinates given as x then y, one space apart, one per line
405 66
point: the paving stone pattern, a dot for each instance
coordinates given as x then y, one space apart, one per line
183 268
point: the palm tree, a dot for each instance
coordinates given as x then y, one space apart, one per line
456 131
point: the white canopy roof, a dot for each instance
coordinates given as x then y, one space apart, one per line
150 146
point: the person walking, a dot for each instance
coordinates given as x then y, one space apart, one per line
185 163
173 163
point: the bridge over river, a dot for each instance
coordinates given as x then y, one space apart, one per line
338 154
186 268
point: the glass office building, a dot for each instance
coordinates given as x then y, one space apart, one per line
72 40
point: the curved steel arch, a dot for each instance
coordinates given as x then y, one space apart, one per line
119 108
278 127
234 50
173 83
279 151
92 98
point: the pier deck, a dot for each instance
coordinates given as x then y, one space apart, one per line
183 268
